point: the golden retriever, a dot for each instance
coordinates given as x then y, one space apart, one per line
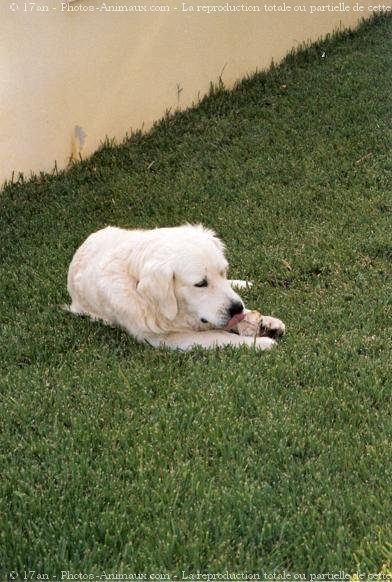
167 287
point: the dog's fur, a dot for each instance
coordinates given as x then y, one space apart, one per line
149 282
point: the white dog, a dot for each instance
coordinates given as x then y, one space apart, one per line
165 286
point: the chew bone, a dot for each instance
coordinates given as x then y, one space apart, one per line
256 325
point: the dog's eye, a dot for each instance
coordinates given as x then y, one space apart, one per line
203 283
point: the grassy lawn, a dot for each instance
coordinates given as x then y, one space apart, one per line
118 457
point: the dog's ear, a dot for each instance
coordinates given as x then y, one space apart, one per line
156 285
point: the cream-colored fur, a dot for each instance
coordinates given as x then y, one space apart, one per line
148 282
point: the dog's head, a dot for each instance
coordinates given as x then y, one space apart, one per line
185 281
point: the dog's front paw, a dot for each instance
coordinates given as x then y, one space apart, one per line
264 343
271 327
240 284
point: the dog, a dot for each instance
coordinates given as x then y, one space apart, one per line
166 286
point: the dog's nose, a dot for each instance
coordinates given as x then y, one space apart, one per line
235 308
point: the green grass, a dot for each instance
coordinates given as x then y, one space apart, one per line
118 457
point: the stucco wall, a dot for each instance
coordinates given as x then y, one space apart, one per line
71 77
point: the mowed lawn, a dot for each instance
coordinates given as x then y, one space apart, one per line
120 458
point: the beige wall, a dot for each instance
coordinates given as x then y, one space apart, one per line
68 79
